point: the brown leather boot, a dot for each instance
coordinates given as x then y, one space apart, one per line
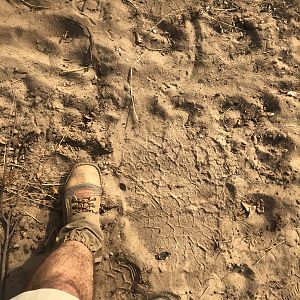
81 208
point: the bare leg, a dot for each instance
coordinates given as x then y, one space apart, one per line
69 268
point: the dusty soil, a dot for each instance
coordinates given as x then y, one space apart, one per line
191 110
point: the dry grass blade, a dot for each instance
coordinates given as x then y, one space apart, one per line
268 251
5 157
83 5
6 219
9 229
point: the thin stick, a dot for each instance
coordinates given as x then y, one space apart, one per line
153 49
73 71
64 136
9 231
129 80
172 13
224 9
7 147
204 292
49 236
63 37
136 118
52 184
34 6
272 248
139 59
27 214
35 201
16 166
222 22
83 6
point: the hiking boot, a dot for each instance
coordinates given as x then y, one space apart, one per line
81 207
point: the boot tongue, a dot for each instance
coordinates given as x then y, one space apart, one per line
84 193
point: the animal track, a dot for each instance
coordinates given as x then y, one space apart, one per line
28 40
270 102
239 282
242 29
248 111
193 109
105 60
244 270
267 206
274 149
176 35
72 27
198 39
182 33
249 29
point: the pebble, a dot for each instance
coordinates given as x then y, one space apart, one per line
291 238
292 94
16 246
126 87
3 141
24 235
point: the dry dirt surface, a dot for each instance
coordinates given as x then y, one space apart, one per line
190 109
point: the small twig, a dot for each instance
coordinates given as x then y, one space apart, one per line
63 37
16 166
139 59
49 236
204 292
172 13
136 13
73 71
52 184
83 5
217 20
129 80
2 187
64 136
32 6
35 201
267 252
224 9
9 229
136 118
5 159
27 214
154 49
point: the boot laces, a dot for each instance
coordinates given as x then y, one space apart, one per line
82 204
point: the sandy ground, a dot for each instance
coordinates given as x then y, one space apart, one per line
191 110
